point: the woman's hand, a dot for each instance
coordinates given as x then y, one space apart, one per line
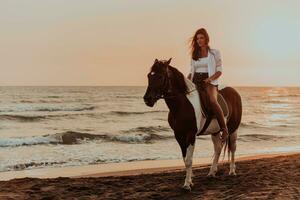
189 76
207 80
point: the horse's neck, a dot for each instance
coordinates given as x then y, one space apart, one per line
174 103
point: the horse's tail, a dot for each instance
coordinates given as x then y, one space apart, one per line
227 146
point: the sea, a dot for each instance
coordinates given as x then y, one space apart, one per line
45 127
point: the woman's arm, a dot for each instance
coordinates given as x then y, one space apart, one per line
218 68
214 77
189 76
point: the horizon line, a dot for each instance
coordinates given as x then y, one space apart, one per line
131 86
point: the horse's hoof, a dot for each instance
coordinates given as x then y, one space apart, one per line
211 175
191 184
232 174
187 188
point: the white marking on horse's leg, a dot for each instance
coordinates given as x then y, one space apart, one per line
217 148
232 138
188 161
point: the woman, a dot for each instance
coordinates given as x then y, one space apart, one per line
206 68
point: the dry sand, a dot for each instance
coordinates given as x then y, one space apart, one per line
262 177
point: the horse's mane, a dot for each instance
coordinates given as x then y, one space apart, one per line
189 84
179 80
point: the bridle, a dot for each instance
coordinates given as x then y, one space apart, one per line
167 86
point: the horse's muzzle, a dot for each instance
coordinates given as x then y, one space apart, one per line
150 101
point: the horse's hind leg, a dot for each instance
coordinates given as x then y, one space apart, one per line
232 147
217 148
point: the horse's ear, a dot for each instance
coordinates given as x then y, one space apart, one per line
155 60
169 61
168 71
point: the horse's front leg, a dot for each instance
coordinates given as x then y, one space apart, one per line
187 145
188 161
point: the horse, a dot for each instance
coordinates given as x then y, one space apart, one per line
186 118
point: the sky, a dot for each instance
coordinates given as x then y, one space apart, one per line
75 42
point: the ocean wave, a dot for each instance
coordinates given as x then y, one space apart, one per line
40 101
148 129
138 138
67 109
44 116
127 97
255 125
34 118
276 101
47 109
121 113
42 164
69 137
289 95
22 118
24 101
24 141
54 97
252 124
260 137
31 165
72 137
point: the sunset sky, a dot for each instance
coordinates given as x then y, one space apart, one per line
75 42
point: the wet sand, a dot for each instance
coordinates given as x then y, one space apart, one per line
258 178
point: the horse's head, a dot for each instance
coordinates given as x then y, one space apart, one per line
158 81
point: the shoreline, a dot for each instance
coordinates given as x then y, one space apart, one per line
258 177
126 168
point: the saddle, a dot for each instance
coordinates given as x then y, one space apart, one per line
206 108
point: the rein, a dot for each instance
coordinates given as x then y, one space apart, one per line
165 96
162 96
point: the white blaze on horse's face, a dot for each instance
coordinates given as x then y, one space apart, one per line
152 73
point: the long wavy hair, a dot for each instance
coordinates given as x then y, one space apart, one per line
195 49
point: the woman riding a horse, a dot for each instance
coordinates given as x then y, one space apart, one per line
185 115
205 69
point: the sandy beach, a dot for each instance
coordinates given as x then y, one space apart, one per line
259 177
99 100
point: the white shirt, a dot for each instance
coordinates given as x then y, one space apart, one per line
214 63
201 65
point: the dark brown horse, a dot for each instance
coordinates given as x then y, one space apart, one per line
185 116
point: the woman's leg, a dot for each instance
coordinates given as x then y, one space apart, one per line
213 95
